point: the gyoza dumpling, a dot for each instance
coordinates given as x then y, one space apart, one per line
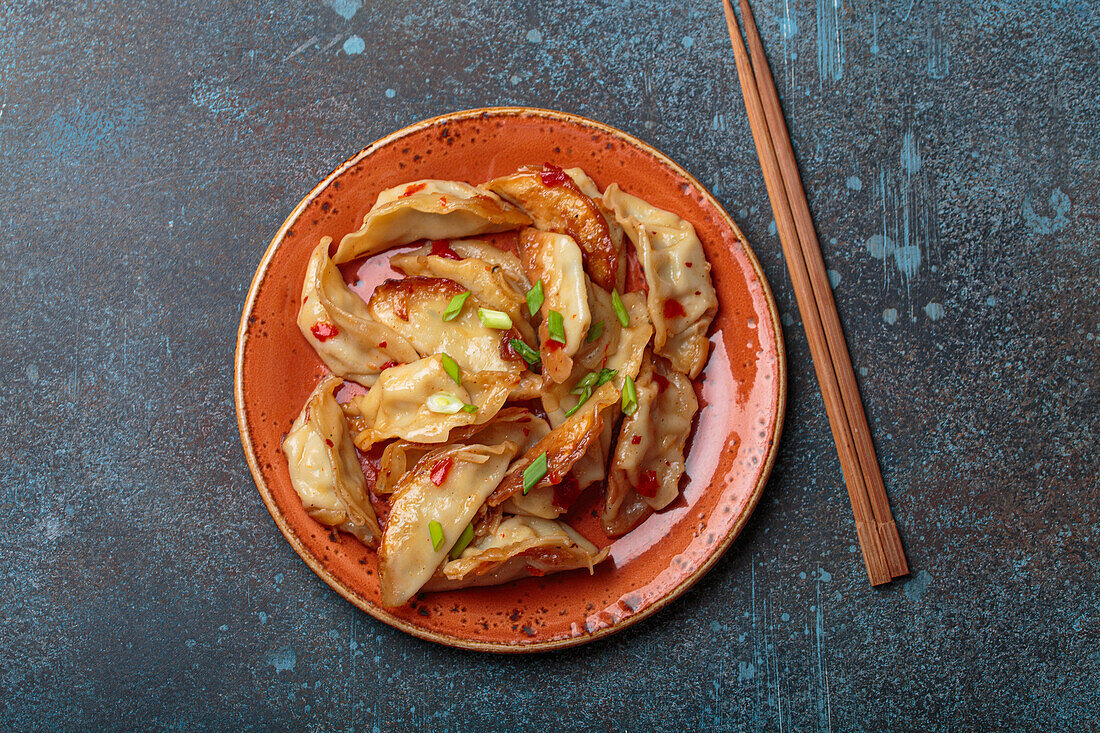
324 468
428 209
414 307
336 323
556 260
556 204
520 547
421 403
588 188
489 283
649 457
681 297
447 486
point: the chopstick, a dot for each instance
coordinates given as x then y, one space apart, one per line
879 541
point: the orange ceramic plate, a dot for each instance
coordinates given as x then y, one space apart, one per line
742 391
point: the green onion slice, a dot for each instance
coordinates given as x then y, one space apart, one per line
535 472
585 394
555 324
435 529
455 306
630 396
469 408
451 367
499 320
620 309
529 355
464 540
535 298
444 404
595 332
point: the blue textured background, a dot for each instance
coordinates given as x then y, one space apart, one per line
148 151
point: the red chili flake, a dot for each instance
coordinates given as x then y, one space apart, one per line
687 264
442 248
413 188
673 309
526 432
552 175
323 331
329 443
661 382
535 572
636 440
552 345
440 469
648 485
381 344
566 492
442 200
389 364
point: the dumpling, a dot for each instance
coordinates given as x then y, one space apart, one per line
681 297
414 307
520 547
336 323
324 467
428 209
398 404
563 445
489 283
556 260
556 204
448 486
483 250
588 188
649 456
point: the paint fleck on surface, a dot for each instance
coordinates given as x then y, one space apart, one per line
354 46
890 316
918 586
934 311
534 36
1059 207
854 183
283 660
346 9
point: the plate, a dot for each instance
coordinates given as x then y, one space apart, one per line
742 392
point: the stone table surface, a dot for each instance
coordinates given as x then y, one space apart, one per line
149 151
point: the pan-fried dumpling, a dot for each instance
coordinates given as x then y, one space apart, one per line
428 209
488 283
588 188
556 260
448 486
324 468
556 204
681 297
336 323
649 457
414 307
520 547
400 403
483 250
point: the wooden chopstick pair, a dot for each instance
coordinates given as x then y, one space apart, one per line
878 534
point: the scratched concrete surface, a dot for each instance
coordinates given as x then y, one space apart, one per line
148 152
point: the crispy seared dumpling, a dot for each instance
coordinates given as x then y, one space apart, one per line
489 283
588 188
556 204
556 260
324 468
507 261
336 323
520 547
429 209
448 486
681 299
400 404
414 307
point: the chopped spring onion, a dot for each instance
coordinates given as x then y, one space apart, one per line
555 324
585 394
469 408
529 355
435 529
444 404
592 380
455 306
535 297
464 540
451 367
630 396
620 309
595 332
499 320
534 473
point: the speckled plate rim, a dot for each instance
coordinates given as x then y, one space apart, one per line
350 594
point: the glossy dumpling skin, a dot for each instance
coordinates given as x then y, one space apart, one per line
428 209
324 468
397 405
557 261
520 547
681 298
414 307
563 208
406 557
336 323
589 188
489 283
